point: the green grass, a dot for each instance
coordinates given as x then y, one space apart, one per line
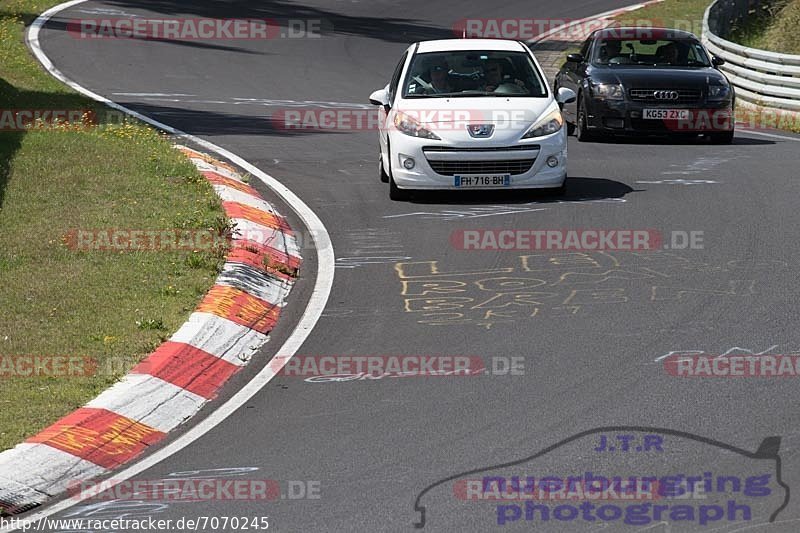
774 29
111 306
679 14
751 31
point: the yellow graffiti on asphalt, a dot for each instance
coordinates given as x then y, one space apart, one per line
558 285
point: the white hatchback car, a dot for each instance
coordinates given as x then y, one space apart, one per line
471 114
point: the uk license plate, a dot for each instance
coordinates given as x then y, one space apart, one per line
666 114
469 181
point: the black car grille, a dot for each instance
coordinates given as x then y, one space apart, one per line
513 167
649 95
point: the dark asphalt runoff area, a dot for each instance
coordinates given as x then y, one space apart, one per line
588 394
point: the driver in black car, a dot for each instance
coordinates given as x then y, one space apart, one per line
668 53
610 50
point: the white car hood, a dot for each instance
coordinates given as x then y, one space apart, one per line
485 110
449 117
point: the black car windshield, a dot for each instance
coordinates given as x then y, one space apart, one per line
651 52
473 74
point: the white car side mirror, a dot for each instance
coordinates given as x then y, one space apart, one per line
566 96
379 97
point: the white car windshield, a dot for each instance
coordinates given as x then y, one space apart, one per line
473 74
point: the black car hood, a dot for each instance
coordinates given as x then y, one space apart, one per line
666 78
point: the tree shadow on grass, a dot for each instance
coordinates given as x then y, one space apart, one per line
14 102
9 144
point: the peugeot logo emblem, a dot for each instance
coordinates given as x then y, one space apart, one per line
666 95
480 130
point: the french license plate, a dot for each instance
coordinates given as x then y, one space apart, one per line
483 180
666 114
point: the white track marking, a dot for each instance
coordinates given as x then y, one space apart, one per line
312 313
785 137
152 94
604 15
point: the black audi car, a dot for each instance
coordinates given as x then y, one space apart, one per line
647 81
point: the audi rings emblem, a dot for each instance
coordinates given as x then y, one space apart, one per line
666 95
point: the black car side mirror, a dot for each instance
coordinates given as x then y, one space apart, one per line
717 61
575 58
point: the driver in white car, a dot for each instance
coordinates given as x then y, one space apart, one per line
440 78
495 76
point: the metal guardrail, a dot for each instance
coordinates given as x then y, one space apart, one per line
760 77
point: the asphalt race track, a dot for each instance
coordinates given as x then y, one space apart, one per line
590 327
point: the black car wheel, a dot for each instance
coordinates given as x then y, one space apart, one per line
558 191
384 175
581 125
396 193
722 138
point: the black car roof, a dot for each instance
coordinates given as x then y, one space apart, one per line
641 32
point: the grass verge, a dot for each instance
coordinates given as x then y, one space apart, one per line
773 28
113 307
679 14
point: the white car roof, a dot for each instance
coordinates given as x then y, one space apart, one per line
448 45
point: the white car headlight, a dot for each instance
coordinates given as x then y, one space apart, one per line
718 92
608 91
546 125
410 126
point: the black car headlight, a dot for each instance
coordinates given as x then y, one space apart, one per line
718 92
608 91
546 125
